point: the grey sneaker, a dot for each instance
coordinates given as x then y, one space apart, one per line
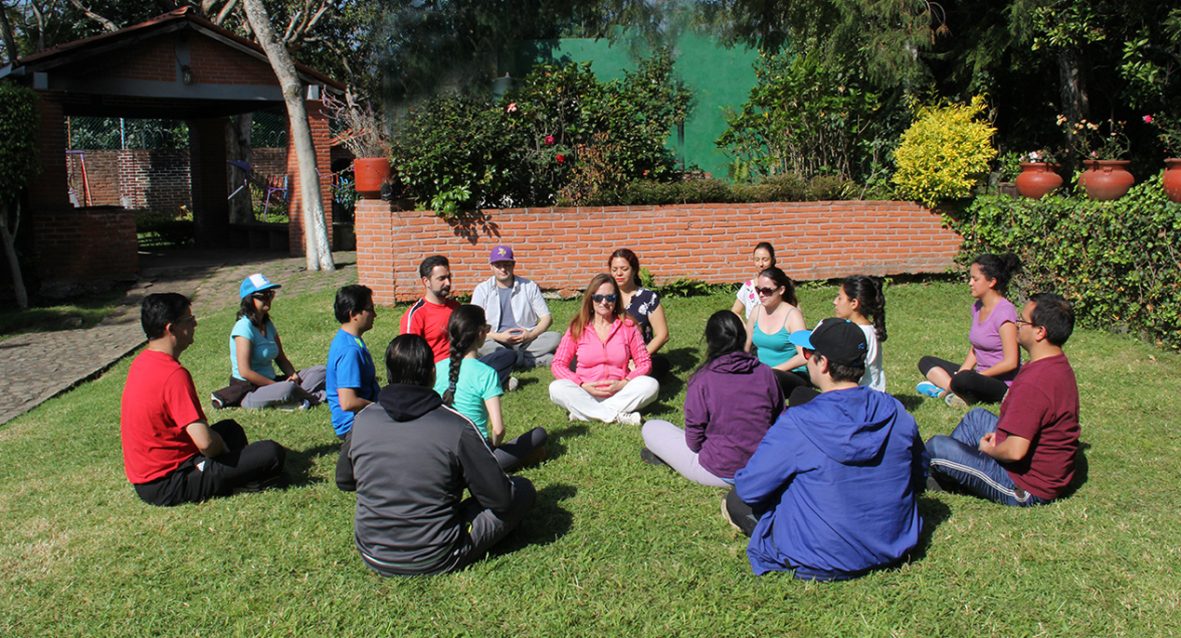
628 418
649 457
953 400
726 515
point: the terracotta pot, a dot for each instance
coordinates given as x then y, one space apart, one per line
1037 179
1107 180
1172 179
371 173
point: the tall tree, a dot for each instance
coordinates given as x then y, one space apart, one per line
315 232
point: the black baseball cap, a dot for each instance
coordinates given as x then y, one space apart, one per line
839 340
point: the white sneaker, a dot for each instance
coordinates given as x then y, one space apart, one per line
628 418
513 384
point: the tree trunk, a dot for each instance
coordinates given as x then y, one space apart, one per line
9 40
238 148
1072 92
14 264
315 232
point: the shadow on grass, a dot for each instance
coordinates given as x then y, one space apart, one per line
1081 470
910 401
545 523
299 464
556 437
933 512
681 363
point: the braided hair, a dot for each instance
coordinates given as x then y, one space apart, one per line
871 302
463 330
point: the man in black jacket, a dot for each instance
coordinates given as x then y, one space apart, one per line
409 458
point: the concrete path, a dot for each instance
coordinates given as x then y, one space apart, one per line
36 367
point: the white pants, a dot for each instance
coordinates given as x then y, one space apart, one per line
638 393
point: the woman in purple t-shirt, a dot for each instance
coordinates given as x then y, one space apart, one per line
993 356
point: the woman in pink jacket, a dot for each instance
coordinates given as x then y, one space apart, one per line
610 380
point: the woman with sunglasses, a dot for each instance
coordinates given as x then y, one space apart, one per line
610 380
473 388
731 402
770 326
255 349
643 305
748 299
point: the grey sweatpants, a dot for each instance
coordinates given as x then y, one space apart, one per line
538 352
668 442
286 393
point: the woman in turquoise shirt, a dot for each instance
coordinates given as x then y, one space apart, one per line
770 326
473 389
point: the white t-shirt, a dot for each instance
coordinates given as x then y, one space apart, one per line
748 297
875 376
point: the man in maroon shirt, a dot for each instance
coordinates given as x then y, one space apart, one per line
170 453
1026 455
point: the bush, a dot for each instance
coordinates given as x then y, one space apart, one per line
811 117
944 153
1118 262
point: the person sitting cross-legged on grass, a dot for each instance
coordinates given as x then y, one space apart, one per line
409 458
351 379
1026 456
993 356
472 388
255 349
832 491
170 454
516 312
731 401
606 343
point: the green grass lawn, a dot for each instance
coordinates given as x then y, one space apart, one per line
614 546
82 312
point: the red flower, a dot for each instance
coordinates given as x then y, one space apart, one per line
1147 119
560 158
549 140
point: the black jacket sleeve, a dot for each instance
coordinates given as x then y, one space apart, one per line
488 483
344 467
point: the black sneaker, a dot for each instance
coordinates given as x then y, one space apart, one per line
649 457
216 402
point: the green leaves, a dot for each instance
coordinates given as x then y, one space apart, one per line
1118 262
944 153
18 142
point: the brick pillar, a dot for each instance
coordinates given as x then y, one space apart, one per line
49 189
318 123
373 224
207 163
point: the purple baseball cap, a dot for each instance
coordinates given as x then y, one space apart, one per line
501 253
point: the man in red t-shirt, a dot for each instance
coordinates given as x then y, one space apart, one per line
170 454
1026 455
428 318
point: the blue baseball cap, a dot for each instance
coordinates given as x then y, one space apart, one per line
257 282
839 340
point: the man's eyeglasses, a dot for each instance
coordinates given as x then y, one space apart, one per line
765 292
604 298
1020 321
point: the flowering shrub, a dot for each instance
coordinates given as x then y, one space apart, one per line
944 153
1096 140
1168 132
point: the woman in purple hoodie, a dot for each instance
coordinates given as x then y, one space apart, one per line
731 401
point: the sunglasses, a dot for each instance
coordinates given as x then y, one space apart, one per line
765 292
266 294
604 298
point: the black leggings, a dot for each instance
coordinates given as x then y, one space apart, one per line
524 450
969 385
789 381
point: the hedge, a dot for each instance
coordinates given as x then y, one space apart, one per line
1119 262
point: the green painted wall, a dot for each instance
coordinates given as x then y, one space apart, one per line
719 78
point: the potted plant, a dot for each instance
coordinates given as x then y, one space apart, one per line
364 134
1168 132
1038 175
1102 146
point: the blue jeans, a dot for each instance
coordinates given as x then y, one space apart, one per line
957 459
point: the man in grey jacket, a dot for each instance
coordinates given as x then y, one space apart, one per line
409 457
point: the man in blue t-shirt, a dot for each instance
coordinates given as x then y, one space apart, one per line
352 378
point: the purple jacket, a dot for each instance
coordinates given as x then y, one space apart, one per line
730 404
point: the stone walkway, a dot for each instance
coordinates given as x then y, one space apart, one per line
36 367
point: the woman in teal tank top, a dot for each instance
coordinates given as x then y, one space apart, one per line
772 322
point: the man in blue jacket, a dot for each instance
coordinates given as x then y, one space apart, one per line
832 491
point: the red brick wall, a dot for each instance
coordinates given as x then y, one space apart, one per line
156 180
562 248
85 244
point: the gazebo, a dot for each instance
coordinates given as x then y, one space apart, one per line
175 66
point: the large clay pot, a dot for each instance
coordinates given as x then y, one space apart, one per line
1172 179
1107 180
1037 179
370 173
